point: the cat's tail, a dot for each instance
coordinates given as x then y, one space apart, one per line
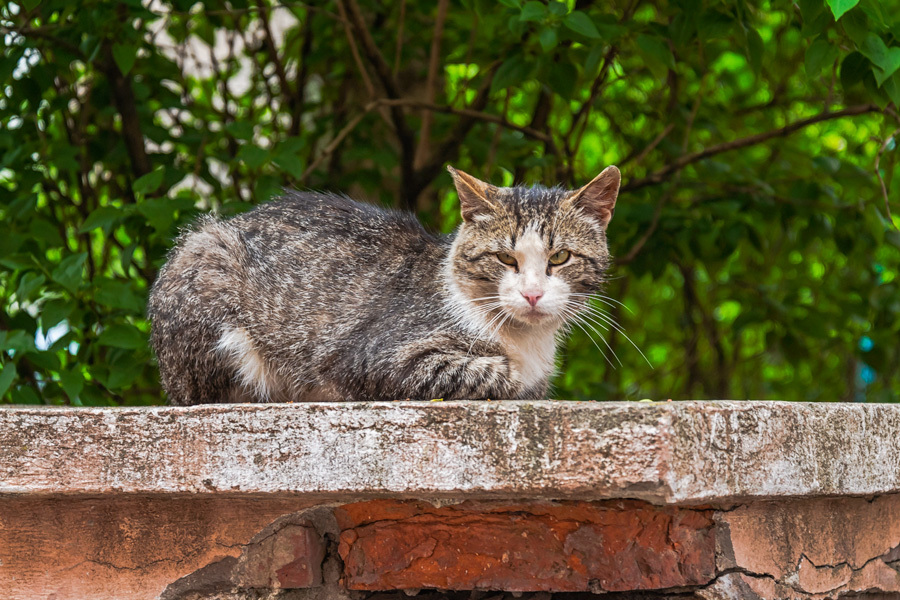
196 296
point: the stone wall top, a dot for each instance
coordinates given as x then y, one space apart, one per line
665 453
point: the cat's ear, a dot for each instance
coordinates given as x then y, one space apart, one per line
475 196
598 198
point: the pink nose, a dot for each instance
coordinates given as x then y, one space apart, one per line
533 297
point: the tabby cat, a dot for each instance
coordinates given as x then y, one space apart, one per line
318 297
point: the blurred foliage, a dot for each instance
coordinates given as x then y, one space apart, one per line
756 253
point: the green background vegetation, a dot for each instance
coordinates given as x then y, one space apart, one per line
756 253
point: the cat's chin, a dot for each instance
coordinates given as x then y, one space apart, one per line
533 318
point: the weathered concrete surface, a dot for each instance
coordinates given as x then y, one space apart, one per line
684 452
549 546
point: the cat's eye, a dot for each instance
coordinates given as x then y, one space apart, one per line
559 258
506 259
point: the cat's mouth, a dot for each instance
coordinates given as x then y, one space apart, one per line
532 315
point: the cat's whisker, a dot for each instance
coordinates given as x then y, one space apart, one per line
594 312
587 316
494 297
604 299
485 329
487 312
605 317
587 320
577 322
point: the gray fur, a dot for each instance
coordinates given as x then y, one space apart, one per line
319 297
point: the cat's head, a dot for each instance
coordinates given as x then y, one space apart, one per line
531 255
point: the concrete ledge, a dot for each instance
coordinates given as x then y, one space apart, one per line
664 453
665 501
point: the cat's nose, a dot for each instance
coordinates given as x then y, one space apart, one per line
533 297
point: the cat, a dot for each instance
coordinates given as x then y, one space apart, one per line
317 297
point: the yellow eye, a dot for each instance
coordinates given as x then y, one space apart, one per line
559 258
506 259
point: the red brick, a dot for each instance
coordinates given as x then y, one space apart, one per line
540 546
289 558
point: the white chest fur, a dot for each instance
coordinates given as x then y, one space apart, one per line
531 354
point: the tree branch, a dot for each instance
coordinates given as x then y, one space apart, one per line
354 50
884 145
662 174
293 98
404 135
399 45
382 70
639 245
473 115
639 158
123 97
302 74
434 63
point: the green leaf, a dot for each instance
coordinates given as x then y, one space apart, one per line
593 60
886 59
161 212
44 359
290 164
7 376
557 8
853 70
44 230
894 63
876 94
242 130
118 294
124 55
810 9
857 27
874 48
839 7
149 182
547 37
124 370
25 394
68 273
267 187
580 23
511 3
72 382
27 285
64 341
562 78
754 50
533 11
18 340
122 335
104 217
513 71
252 156
891 87
30 4
657 50
54 311
819 55
292 145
